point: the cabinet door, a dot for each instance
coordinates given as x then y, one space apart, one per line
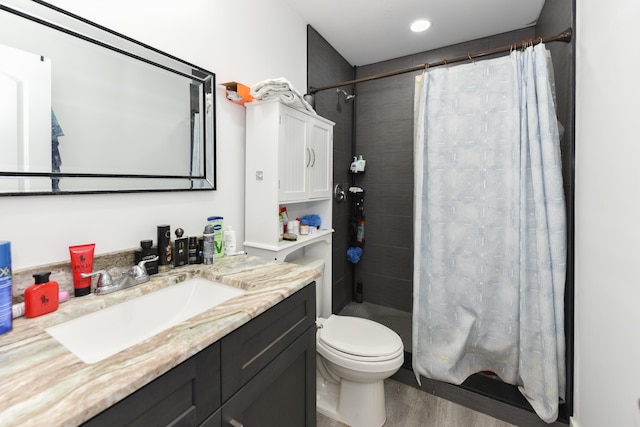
282 394
293 156
184 396
249 349
320 146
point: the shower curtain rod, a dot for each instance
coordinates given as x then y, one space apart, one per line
564 36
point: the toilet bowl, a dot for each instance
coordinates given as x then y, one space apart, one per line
354 357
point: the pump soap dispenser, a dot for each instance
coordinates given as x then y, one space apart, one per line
41 298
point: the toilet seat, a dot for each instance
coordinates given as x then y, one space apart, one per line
359 339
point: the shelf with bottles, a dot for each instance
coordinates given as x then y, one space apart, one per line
317 235
281 250
262 231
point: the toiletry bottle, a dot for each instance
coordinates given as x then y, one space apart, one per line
216 222
165 255
6 317
360 232
361 163
354 165
304 227
229 240
147 253
181 249
200 250
41 298
193 250
81 262
208 244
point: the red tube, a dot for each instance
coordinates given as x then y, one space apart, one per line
81 262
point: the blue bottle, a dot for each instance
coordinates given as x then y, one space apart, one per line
6 313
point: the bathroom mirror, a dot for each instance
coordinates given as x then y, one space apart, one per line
84 109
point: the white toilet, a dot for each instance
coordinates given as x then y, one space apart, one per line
354 357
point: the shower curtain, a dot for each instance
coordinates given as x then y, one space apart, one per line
490 227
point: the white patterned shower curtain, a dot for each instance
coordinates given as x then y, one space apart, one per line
490 227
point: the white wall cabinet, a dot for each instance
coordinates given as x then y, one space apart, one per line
289 162
304 155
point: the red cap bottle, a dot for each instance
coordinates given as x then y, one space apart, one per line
41 298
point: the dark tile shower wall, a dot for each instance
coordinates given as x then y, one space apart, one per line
325 66
384 136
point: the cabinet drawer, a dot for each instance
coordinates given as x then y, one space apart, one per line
186 395
250 348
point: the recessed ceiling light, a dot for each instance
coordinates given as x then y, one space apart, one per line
420 25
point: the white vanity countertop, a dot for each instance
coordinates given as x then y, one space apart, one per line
43 383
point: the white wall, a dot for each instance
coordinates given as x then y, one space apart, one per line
607 341
240 40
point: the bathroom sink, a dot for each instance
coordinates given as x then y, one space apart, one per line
96 336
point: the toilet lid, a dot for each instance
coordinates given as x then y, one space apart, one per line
359 337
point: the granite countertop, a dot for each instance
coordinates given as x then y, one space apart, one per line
43 383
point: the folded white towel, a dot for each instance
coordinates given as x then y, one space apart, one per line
281 88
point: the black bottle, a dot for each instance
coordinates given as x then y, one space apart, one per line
193 250
165 253
200 250
181 249
147 252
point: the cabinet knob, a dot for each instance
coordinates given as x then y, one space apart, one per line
234 423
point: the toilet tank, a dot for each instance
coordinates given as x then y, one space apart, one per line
317 263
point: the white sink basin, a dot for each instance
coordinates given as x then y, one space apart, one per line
96 336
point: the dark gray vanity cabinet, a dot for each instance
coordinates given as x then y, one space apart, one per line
269 367
260 375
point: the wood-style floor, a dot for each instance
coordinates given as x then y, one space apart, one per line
409 407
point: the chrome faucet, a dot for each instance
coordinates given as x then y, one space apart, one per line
134 276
